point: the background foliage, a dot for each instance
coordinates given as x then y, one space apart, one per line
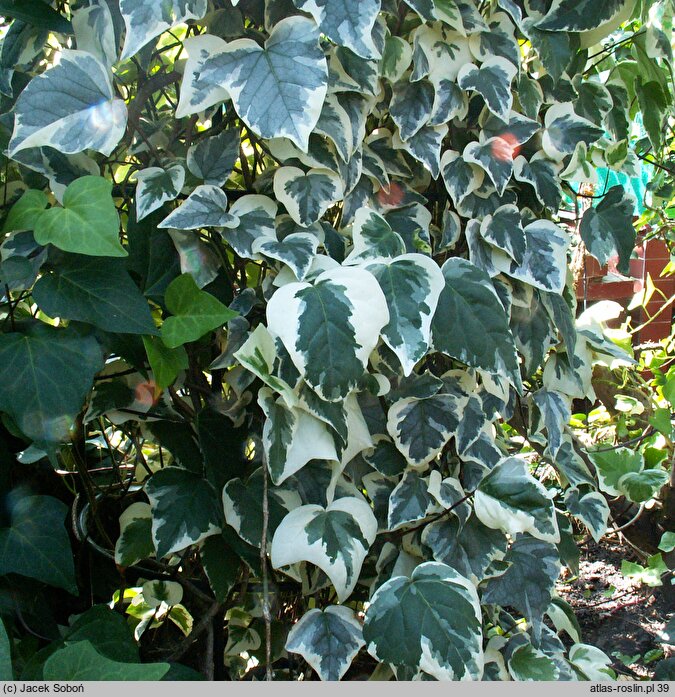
289 345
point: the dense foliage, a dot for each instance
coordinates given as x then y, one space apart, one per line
288 333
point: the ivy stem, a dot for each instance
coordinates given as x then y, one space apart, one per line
267 615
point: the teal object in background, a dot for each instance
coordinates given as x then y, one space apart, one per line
638 185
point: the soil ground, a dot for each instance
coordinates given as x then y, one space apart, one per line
616 614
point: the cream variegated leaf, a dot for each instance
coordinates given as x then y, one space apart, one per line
277 90
330 328
336 539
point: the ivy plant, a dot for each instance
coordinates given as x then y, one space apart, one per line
287 318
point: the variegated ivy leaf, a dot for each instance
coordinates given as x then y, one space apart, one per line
396 58
528 582
135 541
542 175
468 548
336 124
528 664
258 354
292 437
256 216
212 159
146 19
495 156
336 539
593 663
156 186
471 17
327 639
430 621
297 251
470 323
564 129
439 54
425 146
95 31
411 106
516 130
185 509
590 508
410 501
242 502
411 284
278 90
498 40
307 196
71 107
579 15
206 206
554 412
511 500
607 229
451 232
347 22
504 230
544 264
422 427
330 328
460 177
492 81
373 238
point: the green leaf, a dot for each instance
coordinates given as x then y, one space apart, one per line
81 661
511 500
24 213
330 328
667 543
612 465
278 90
36 543
221 566
470 323
327 639
71 107
411 106
166 363
642 486
6 672
527 663
37 14
504 229
194 312
528 582
296 250
430 621
135 541
87 223
97 291
185 509
46 374
607 229
336 539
